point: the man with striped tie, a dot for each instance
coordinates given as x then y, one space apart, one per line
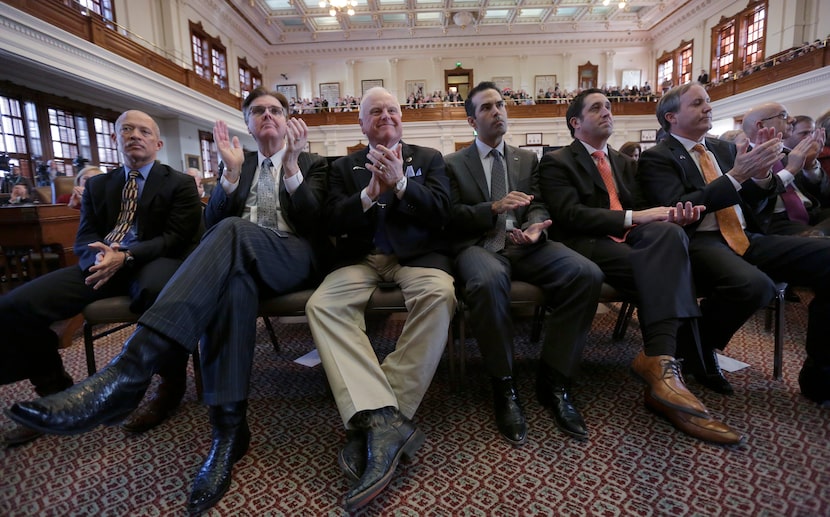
137 224
262 221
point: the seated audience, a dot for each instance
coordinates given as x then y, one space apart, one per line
632 150
386 209
592 195
259 244
123 248
500 232
735 263
81 178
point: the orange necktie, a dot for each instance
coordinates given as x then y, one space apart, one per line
610 186
730 225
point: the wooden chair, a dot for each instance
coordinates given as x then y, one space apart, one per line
354 148
463 145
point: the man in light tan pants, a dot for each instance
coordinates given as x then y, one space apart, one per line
386 207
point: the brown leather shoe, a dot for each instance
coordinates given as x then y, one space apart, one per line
157 408
662 374
19 435
706 429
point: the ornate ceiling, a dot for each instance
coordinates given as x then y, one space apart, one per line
303 21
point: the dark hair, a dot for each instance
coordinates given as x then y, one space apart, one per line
480 87
670 103
629 147
577 105
258 92
798 119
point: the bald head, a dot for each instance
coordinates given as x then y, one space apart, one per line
769 114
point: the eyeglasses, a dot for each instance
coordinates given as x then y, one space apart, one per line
783 116
275 111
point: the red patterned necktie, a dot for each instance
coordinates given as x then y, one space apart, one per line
610 186
793 205
728 222
129 204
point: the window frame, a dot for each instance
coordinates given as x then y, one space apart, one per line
249 77
730 42
209 56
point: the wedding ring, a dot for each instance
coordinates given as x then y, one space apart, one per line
382 167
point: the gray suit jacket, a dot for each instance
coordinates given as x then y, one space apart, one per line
472 216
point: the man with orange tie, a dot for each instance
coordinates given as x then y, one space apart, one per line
731 257
597 210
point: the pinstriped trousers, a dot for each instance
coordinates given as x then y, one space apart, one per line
215 294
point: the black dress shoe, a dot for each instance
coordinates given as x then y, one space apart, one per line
104 398
352 457
389 437
231 438
552 391
814 381
712 377
510 418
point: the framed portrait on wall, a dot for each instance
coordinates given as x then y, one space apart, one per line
533 138
289 90
543 82
365 84
193 161
648 135
416 86
330 92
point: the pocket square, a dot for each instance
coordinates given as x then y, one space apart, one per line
410 172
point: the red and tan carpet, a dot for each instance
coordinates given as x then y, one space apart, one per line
634 463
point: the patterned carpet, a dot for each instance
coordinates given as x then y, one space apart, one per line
634 463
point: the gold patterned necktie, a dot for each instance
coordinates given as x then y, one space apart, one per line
498 189
608 179
129 204
728 222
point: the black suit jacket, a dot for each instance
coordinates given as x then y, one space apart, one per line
302 210
415 223
668 174
472 214
576 196
167 219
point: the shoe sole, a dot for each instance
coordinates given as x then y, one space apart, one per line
408 450
344 467
112 420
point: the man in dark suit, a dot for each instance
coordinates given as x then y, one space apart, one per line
164 228
703 78
499 230
731 257
257 245
597 210
795 211
386 207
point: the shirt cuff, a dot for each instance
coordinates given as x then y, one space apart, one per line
227 186
365 200
629 216
293 183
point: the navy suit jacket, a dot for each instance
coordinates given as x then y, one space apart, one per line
472 214
668 174
415 224
576 196
167 219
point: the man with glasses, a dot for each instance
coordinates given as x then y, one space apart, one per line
794 211
734 263
261 220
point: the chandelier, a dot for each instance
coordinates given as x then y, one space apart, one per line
339 6
621 4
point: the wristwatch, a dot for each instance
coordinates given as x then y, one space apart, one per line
129 260
400 184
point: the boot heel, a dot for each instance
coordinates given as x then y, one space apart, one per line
413 444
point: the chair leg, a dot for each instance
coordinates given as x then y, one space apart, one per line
778 360
624 318
272 334
89 348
